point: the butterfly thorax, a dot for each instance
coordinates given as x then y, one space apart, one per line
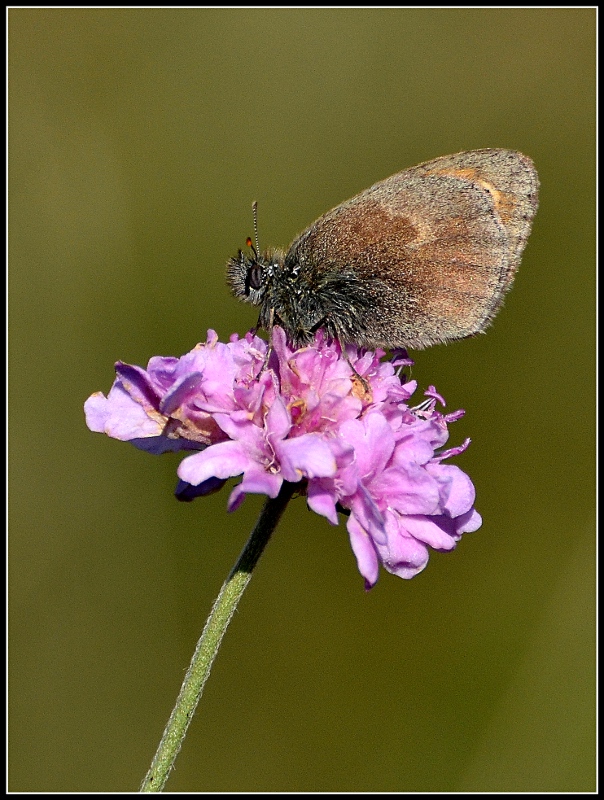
299 296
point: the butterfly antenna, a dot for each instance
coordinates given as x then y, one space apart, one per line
255 214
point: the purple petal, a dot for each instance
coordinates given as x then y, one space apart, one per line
373 442
260 481
321 498
278 421
158 445
219 376
240 427
364 551
163 371
254 482
222 460
121 417
410 491
366 511
410 449
138 384
429 531
457 493
181 391
468 522
305 456
236 498
403 555
185 492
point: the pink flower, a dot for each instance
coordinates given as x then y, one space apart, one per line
354 446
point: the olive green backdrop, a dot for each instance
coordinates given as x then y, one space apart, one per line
138 141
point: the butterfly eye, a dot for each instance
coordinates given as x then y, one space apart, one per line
254 276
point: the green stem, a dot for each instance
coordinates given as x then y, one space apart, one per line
210 639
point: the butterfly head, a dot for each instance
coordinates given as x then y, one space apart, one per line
250 276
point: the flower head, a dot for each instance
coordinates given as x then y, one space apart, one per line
339 424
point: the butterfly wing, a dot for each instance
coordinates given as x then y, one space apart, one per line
434 247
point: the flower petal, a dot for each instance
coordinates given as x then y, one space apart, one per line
321 498
457 491
364 551
306 456
121 417
222 460
185 492
438 531
403 555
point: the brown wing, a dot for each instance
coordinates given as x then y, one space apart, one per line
436 246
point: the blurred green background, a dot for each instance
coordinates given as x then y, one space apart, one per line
138 141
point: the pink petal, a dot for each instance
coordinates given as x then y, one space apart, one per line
121 417
222 460
278 421
260 481
364 551
428 531
456 489
321 499
305 456
403 555
468 522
